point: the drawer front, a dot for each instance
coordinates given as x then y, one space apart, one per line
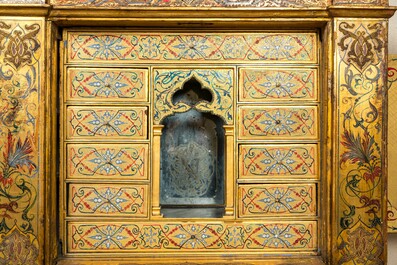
291 161
107 122
191 237
107 161
104 84
130 47
264 84
277 200
108 200
271 123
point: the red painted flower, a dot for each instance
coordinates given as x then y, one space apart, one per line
371 175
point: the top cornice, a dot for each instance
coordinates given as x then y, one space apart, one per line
89 15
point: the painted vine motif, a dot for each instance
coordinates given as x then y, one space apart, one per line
20 65
132 237
392 144
361 88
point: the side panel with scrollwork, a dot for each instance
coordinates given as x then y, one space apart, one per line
360 84
21 60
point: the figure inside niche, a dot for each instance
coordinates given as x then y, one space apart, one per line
192 159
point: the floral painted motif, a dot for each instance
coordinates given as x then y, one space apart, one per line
107 84
115 200
20 65
107 122
274 161
115 161
361 88
259 85
278 122
183 47
192 236
268 200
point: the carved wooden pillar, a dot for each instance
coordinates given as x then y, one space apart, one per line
359 135
229 173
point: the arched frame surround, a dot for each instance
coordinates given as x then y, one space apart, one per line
220 83
355 33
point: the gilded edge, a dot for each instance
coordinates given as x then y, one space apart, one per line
361 2
191 3
392 144
360 87
21 63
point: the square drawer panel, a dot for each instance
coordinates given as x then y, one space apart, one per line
263 200
274 84
108 200
107 84
191 237
107 161
278 123
107 122
292 161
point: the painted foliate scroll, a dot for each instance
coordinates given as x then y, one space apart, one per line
21 62
360 84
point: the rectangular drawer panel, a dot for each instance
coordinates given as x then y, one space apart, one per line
108 200
278 161
130 47
286 84
104 84
277 200
107 122
191 237
271 123
107 161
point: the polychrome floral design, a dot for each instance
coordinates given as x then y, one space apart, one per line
361 88
278 161
107 122
192 236
95 199
156 47
20 65
278 122
114 161
267 200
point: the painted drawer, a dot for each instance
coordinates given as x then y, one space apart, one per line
272 84
107 122
188 237
292 161
274 122
108 200
130 47
104 84
107 161
277 200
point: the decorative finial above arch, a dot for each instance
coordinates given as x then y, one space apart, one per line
167 82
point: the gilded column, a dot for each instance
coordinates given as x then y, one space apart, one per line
157 131
230 181
360 90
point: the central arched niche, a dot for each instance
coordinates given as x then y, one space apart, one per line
192 175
